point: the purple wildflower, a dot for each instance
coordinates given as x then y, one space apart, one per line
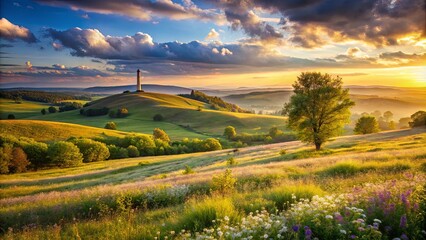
295 228
308 232
404 237
352 236
403 221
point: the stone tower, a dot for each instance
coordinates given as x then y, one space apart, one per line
138 82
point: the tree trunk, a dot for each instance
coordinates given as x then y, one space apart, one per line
317 146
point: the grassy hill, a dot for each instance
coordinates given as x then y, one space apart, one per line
94 200
50 131
20 110
181 116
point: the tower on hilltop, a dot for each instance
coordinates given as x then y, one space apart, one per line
138 81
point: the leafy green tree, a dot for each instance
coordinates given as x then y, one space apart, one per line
319 107
36 152
43 111
133 151
52 109
224 183
111 125
18 162
64 154
92 151
160 134
144 143
418 119
230 132
122 112
366 124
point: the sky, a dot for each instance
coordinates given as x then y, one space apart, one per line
211 43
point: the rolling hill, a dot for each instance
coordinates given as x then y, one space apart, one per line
46 131
181 117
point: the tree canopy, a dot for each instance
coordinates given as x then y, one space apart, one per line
366 124
319 107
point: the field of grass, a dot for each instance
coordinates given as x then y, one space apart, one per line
181 116
20 110
46 131
147 197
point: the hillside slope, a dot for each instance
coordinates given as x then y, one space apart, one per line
181 117
50 131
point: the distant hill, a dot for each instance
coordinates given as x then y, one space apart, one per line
401 101
146 87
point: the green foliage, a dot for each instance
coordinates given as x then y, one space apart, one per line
5 157
211 144
319 107
52 109
36 152
92 151
283 152
117 152
188 170
145 144
215 102
230 132
133 151
418 119
64 154
158 117
120 113
275 132
224 183
43 111
111 125
366 124
11 116
160 134
93 112
69 106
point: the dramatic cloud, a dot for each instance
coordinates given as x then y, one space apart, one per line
11 32
378 22
143 9
213 34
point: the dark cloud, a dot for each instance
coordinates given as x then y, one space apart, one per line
6 45
402 56
142 9
12 32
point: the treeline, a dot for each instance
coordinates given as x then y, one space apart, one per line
40 96
274 135
216 103
22 154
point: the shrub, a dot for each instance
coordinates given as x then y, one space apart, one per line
145 144
18 162
231 161
92 151
224 183
158 117
36 152
111 125
160 134
52 109
11 116
188 170
69 106
117 152
211 144
283 152
64 154
133 151
122 112
230 132
43 111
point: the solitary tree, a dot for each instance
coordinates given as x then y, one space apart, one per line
366 124
319 107
230 132
418 119
52 109
111 125
43 111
